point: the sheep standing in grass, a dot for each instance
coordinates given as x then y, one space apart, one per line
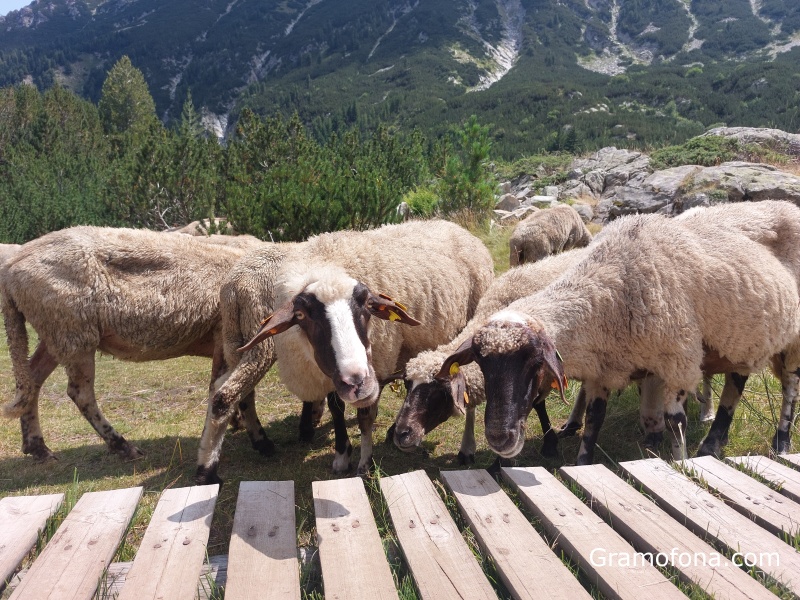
631 308
429 402
137 295
327 346
547 232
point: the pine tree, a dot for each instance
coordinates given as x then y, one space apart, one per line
126 105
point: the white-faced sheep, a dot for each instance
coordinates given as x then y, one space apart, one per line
430 401
329 287
631 308
137 295
547 232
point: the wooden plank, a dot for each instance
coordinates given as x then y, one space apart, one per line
503 532
171 554
350 550
440 561
587 539
752 498
263 549
21 520
72 563
786 479
712 519
651 530
793 459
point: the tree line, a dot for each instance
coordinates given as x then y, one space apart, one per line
65 161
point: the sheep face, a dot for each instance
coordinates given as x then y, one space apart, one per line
520 366
426 406
334 321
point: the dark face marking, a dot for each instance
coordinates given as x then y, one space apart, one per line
425 407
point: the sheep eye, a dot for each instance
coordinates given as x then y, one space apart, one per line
299 315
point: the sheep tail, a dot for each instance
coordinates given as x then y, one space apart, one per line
17 336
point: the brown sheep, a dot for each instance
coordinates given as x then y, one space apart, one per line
547 232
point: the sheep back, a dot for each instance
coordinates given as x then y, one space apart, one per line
547 232
436 268
651 295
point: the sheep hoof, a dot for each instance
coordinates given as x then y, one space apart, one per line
307 434
466 459
364 470
341 461
569 430
653 440
264 446
495 469
549 450
207 475
781 443
39 450
132 453
709 449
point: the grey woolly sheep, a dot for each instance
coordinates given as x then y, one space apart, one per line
135 294
329 286
631 308
547 232
430 402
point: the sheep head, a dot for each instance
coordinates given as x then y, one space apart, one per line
520 366
335 322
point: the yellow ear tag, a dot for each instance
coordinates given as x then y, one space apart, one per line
466 398
401 306
453 369
393 316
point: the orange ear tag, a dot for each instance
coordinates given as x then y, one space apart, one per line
466 398
453 369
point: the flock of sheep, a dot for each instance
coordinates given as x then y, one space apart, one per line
660 301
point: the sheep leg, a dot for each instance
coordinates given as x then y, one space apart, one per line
255 431
344 449
575 419
781 442
466 454
550 441
651 412
675 419
80 388
310 418
595 415
366 424
717 435
41 364
706 401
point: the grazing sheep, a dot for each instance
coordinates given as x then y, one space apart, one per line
774 224
631 308
547 232
329 286
135 294
429 402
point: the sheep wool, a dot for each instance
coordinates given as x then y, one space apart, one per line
547 232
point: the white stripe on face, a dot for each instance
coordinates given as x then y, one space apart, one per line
348 350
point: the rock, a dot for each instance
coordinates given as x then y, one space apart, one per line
551 190
505 187
507 202
775 139
653 193
585 211
575 189
541 201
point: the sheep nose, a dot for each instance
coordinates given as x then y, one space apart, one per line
402 436
501 440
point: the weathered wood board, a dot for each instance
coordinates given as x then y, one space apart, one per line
651 530
587 539
72 563
21 519
354 565
263 549
440 561
503 532
785 479
710 518
793 459
171 554
770 509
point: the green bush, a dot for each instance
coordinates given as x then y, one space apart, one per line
704 151
422 201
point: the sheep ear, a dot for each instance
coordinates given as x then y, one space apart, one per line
276 323
451 373
385 308
552 359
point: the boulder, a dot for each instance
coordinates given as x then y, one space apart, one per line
774 139
507 202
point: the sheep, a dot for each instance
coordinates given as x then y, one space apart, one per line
631 308
440 269
430 402
7 251
135 294
776 225
547 232
200 228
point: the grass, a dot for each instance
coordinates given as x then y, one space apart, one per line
160 406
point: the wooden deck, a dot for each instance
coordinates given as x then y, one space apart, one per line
703 522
